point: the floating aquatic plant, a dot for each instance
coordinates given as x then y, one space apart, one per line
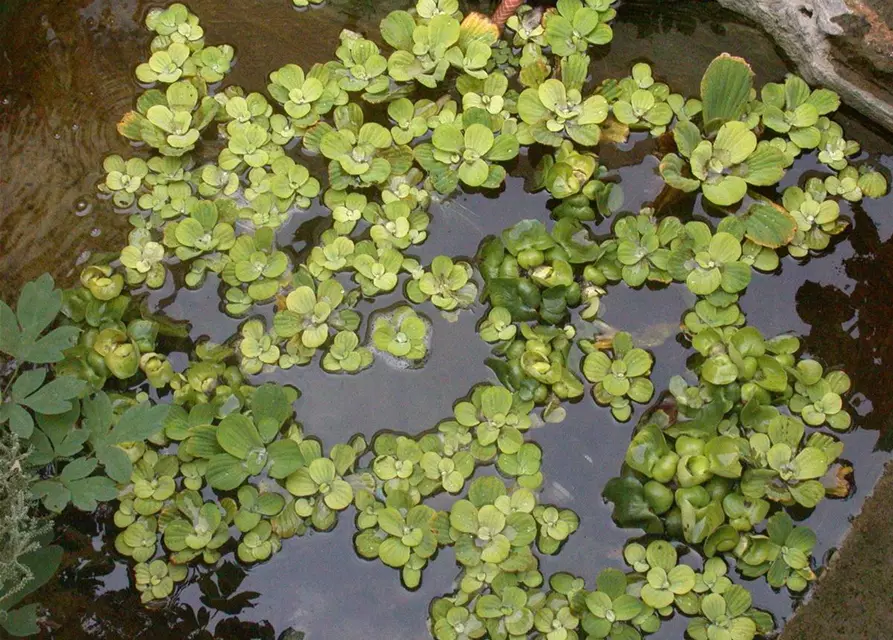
402 333
703 473
619 379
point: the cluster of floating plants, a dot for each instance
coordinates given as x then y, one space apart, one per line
221 169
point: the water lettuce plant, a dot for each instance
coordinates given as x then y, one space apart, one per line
245 445
356 153
620 379
123 179
782 553
818 218
792 108
420 49
302 95
643 247
708 262
171 121
724 167
346 354
307 312
155 580
643 103
818 398
724 615
320 478
485 528
574 27
665 579
498 418
455 156
448 284
196 529
363 67
401 333
209 196
553 112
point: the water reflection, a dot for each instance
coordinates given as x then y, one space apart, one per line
91 596
850 323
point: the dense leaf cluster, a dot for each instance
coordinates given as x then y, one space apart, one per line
226 171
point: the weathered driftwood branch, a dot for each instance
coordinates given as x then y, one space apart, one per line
845 45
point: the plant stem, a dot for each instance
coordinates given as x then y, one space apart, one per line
12 378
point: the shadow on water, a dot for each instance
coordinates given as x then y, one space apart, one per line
64 82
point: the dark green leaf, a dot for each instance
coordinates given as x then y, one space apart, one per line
10 336
609 199
490 258
97 411
165 326
139 423
57 426
87 492
20 421
71 443
647 447
527 234
21 622
117 465
54 494
50 347
699 523
502 370
41 450
553 307
77 469
27 383
55 397
507 292
43 563
268 401
38 305
630 507
576 240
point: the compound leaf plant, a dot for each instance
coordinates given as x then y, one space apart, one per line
193 449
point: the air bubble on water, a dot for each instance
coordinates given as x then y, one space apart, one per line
83 257
561 492
95 232
82 208
393 361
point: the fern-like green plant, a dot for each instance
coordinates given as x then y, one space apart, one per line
25 563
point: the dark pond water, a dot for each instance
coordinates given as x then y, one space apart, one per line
65 79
